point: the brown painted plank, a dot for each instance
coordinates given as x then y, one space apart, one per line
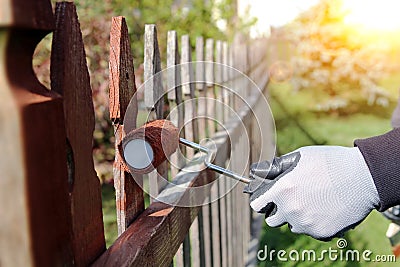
27 14
35 208
128 194
155 236
70 78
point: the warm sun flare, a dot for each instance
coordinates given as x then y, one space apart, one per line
380 15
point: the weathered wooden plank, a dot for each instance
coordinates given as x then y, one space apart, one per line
210 81
231 77
188 88
173 76
219 107
153 98
201 88
203 222
225 78
192 247
128 194
174 94
70 78
153 89
215 225
35 208
229 210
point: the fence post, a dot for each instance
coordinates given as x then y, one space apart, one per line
128 194
35 208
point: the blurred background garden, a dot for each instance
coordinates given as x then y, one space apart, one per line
334 77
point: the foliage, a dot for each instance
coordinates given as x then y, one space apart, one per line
334 60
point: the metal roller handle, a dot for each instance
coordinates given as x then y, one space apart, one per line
209 165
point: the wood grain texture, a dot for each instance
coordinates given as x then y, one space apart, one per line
35 15
153 98
153 89
219 105
35 208
174 95
188 88
201 88
225 78
128 193
210 94
154 237
70 78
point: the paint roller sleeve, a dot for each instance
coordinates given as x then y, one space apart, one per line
145 148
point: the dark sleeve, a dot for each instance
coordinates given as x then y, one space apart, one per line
382 155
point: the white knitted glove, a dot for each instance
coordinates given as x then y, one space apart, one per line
321 191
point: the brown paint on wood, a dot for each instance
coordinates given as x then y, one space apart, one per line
35 216
128 194
156 235
70 78
162 136
35 15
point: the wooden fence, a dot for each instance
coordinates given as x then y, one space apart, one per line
50 212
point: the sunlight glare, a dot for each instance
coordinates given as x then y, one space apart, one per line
380 15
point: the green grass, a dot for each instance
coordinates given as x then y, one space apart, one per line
330 129
109 213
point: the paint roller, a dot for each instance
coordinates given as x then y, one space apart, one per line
145 148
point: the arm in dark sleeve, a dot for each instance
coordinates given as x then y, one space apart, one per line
382 155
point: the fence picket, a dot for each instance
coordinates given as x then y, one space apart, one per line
153 98
203 217
210 78
35 208
174 95
128 194
219 107
201 88
70 78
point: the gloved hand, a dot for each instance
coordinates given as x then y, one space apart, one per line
321 191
